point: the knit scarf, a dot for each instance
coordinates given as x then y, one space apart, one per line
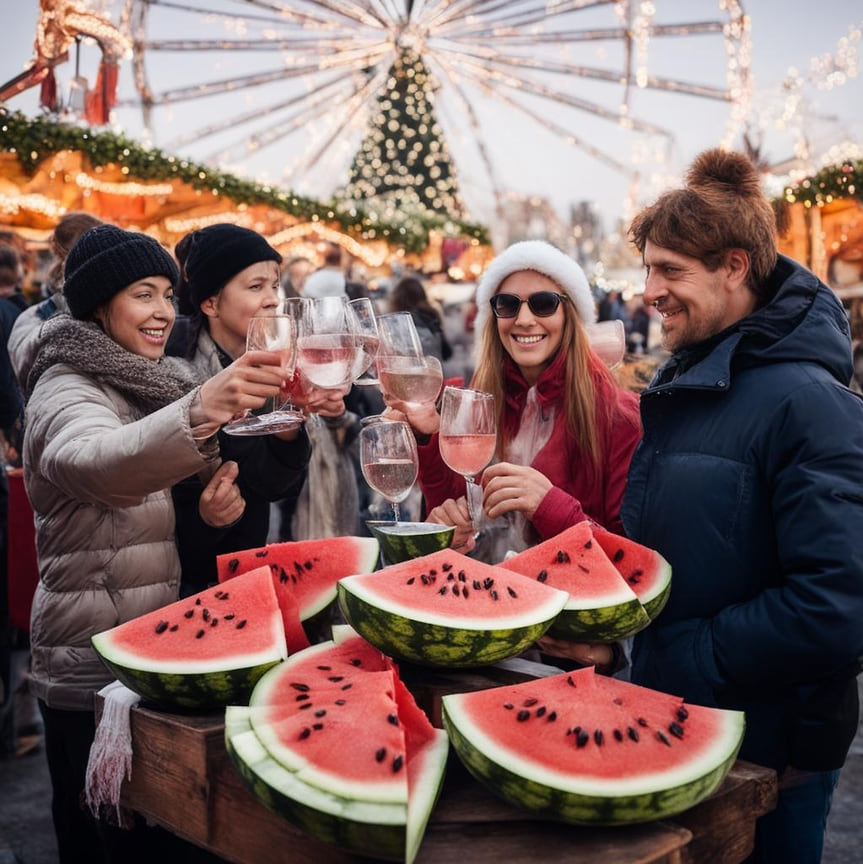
148 385
549 390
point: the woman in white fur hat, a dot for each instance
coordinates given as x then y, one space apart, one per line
566 429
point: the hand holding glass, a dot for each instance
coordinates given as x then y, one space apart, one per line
388 459
270 333
468 434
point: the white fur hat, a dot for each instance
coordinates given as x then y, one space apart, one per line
543 258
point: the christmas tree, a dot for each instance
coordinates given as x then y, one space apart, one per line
403 162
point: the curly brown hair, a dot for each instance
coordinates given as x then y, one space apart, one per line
721 207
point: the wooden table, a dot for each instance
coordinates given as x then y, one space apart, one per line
182 778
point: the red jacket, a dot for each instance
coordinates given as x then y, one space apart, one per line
579 491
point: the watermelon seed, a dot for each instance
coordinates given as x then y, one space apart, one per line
442 590
682 714
293 579
562 557
508 706
308 565
456 590
432 572
283 575
424 579
218 594
642 722
397 763
341 701
230 616
188 613
461 576
598 737
635 576
347 686
493 594
233 564
618 735
197 601
261 554
570 681
381 754
617 700
551 717
199 634
305 733
487 582
511 591
450 577
581 738
583 568
662 738
446 567
540 712
305 705
162 626
522 716
214 622
530 702
225 595
175 628
335 678
412 580
206 614
355 661
302 697
589 544
676 729
464 592
477 585
298 567
543 575
393 719
241 624
317 726
632 733
303 688
618 556
325 668
322 712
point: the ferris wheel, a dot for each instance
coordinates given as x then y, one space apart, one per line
294 83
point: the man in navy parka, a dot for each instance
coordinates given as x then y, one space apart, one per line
749 480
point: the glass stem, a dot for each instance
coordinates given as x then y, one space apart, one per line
396 510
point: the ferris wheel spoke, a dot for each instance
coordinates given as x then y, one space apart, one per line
203 10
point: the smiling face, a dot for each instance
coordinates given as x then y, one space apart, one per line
694 302
249 292
532 342
141 316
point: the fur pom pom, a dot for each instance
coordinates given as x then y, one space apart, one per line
721 171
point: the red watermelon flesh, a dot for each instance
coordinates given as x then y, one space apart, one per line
644 569
191 633
305 573
573 562
587 748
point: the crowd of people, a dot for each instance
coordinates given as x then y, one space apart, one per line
741 462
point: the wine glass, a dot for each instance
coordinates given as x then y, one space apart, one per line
468 435
327 347
404 371
273 332
388 459
361 316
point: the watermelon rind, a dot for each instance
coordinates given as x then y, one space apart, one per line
555 795
606 623
403 541
420 636
391 831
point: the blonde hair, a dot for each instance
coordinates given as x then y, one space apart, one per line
583 372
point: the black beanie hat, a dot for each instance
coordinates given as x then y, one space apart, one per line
107 259
211 257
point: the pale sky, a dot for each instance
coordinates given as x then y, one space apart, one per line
527 158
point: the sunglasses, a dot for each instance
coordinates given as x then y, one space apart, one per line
543 304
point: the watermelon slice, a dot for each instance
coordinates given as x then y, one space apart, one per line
446 609
305 573
335 743
644 569
587 749
201 652
602 607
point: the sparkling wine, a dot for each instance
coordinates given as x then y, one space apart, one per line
409 382
467 454
392 478
327 360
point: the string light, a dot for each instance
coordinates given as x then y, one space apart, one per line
14 204
128 188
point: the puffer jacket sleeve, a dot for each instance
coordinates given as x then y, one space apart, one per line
95 454
807 627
